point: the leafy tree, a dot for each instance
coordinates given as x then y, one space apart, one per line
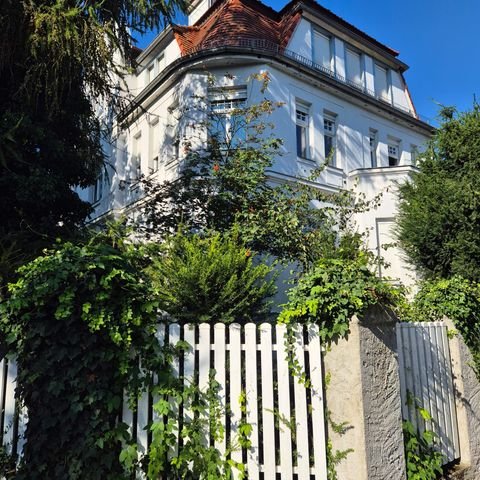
211 277
228 181
439 210
55 57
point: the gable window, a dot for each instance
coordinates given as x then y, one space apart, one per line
302 119
322 51
329 135
381 83
373 143
393 154
227 124
353 68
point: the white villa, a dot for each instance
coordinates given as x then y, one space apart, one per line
340 89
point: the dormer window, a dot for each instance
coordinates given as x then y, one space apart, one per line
322 51
353 68
382 90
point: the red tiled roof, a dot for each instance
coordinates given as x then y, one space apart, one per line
236 19
251 19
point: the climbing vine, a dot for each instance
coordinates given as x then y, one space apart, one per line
77 319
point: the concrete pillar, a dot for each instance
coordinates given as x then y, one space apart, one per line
467 400
364 390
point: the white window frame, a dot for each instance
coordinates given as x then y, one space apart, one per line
393 153
373 147
226 107
172 141
136 157
98 187
330 131
352 83
160 63
388 84
413 154
302 130
154 147
330 66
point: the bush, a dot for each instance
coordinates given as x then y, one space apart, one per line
211 277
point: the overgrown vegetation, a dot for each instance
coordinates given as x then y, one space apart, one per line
81 317
424 462
211 277
77 320
438 222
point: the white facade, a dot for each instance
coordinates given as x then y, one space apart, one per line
339 89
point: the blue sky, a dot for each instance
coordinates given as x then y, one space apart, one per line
438 39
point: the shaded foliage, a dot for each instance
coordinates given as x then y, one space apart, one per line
55 57
211 277
76 320
439 219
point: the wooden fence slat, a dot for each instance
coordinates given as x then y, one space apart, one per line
220 368
10 405
173 339
160 334
189 365
301 418
251 392
204 365
255 369
268 420
425 364
318 416
142 422
432 382
451 397
235 380
286 464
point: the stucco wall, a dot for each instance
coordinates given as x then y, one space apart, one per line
364 391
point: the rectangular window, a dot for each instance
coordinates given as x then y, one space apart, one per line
302 117
98 188
172 139
136 163
381 83
393 155
329 134
149 74
373 143
160 63
322 52
413 155
153 161
228 125
353 68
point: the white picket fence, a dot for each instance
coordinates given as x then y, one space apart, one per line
426 378
287 418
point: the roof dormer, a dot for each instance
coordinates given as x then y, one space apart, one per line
197 8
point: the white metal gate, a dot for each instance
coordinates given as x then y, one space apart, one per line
287 418
426 379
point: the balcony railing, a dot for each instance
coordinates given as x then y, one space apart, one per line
260 45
